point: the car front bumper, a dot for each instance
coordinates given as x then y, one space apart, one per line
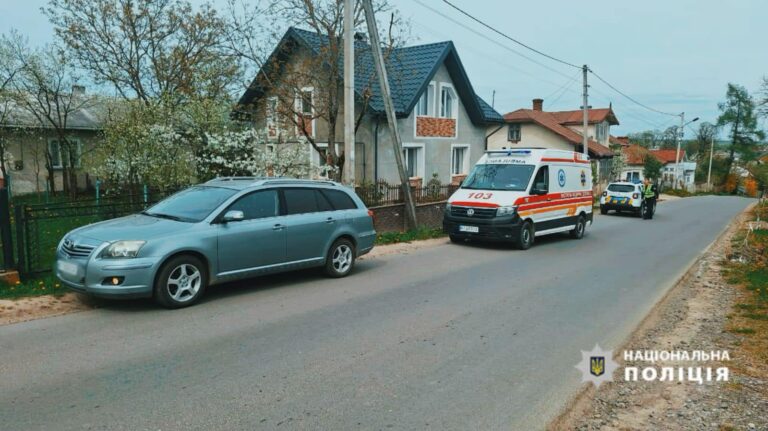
94 276
504 229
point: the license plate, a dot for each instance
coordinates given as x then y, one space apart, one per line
470 229
68 268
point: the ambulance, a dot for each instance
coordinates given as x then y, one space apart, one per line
518 194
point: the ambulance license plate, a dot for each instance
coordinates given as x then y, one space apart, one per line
470 229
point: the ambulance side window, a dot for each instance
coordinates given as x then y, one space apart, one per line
541 181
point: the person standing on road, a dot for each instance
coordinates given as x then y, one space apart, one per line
649 196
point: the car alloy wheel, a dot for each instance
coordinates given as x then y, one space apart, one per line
184 282
341 258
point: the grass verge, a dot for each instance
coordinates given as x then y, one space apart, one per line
420 233
747 269
49 285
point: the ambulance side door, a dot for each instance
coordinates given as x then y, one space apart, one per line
540 189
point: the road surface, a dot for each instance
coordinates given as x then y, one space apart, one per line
446 337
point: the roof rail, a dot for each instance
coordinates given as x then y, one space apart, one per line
278 180
242 178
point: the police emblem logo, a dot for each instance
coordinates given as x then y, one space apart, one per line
597 365
470 212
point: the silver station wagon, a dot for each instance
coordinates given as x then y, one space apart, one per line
226 229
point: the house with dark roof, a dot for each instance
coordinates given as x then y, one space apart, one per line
561 130
441 120
31 142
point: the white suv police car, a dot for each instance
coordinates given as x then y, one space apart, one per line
623 196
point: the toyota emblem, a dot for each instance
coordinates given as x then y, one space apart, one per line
470 212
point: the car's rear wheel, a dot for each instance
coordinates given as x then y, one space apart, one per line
181 282
340 259
524 240
578 231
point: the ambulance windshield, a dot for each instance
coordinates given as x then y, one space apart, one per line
499 177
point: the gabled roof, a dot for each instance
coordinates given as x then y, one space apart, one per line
668 156
635 154
550 121
409 70
88 116
619 140
595 115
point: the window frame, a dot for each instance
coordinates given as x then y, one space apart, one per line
431 101
299 108
420 163
271 114
59 164
450 90
465 162
536 175
514 127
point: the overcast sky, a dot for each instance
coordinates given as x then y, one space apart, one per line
674 56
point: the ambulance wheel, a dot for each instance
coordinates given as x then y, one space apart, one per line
525 240
578 230
603 210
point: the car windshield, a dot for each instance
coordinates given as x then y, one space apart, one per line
622 188
191 205
499 177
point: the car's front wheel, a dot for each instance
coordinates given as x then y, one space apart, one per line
341 258
524 241
181 282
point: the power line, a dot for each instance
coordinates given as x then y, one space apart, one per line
630 98
490 39
504 35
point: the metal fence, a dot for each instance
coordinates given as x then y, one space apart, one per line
40 227
381 193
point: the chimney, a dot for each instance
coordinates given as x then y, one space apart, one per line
538 104
78 90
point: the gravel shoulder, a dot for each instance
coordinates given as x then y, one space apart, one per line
694 315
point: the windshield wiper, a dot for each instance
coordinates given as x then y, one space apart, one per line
165 216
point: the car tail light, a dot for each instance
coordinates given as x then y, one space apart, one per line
635 195
371 215
605 193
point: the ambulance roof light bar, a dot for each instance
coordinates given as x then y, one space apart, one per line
499 153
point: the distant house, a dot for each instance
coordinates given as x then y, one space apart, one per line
560 130
635 161
28 140
441 120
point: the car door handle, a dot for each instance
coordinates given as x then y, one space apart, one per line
278 227
330 220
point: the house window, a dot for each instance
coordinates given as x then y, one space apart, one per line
272 117
425 106
601 132
305 108
60 155
448 102
459 160
513 133
412 159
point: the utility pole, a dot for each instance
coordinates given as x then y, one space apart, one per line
585 113
397 144
349 93
709 173
677 154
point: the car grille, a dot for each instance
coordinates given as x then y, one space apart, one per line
79 250
476 212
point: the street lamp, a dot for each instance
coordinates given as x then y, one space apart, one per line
679 140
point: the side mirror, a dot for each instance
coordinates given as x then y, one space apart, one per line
233 216
538 189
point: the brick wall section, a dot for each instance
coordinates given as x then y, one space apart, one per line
436 127
391 218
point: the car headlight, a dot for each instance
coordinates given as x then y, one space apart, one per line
508 210
122 249
448 207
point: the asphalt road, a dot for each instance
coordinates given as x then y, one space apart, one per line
447 337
